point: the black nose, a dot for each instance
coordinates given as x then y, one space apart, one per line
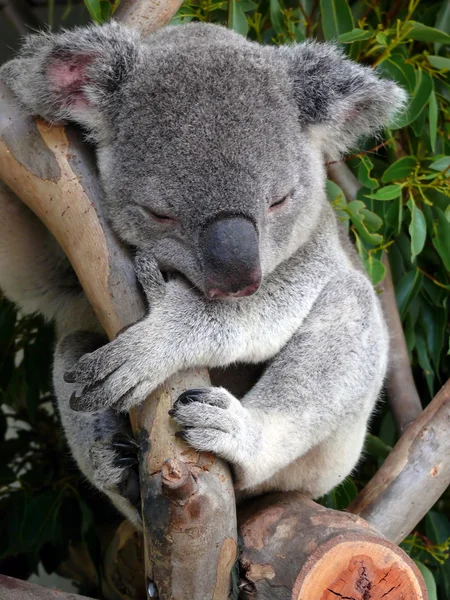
230 249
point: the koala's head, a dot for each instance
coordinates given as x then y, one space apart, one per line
210 147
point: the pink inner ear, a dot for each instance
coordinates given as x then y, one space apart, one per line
67 77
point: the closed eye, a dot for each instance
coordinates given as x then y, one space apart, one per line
160 218
280 203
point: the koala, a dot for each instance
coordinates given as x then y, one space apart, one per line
211 151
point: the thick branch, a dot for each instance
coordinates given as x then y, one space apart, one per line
146 15
295 549
404 400
413 477
16 589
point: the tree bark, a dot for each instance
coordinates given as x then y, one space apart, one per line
413 477
295 549
404 400
146 15
16 589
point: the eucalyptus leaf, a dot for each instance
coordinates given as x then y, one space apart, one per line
441 164
423 33
439 62
441 237
400 169
337 18
276 16
407 289
419 99
429 580
356 35
388 192
433 120
236 17
417 229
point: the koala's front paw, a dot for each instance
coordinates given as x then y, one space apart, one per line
122 373
214 421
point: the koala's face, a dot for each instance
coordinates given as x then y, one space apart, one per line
210 168
210 147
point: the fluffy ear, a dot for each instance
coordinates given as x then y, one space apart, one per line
75 75
339 99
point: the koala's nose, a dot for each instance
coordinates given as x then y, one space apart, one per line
230 249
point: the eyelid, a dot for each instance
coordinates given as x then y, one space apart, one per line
282 201
158 217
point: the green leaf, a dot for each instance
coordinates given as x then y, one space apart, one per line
400 169
364 170
382 38
433 120
337 18
424 360
441 164
100 10
334 192
429 580
371 219
372 263
236 17
355 210
442 22
356 35
439 62
94 9
434 319
276 17
437 527
417 229
388 192
423 33
403 72
388 430
341 496
407 289
419 99
376 447
441 236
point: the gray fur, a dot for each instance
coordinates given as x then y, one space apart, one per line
197 123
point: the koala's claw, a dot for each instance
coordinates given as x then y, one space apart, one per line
213 421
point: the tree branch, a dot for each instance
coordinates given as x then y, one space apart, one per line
146 15
413 477
16 589
295 549
404 401
20 15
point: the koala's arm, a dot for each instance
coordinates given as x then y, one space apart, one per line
184 330
326 379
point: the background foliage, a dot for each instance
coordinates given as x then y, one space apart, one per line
402 208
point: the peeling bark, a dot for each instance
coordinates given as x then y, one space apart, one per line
295 549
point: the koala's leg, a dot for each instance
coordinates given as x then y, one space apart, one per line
322 468
319 389
101 442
